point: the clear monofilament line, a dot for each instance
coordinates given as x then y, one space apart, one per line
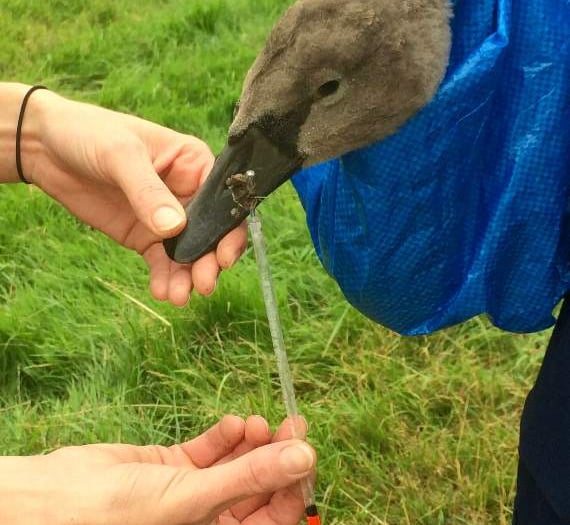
286 380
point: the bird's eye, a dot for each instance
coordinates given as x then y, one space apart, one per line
329 88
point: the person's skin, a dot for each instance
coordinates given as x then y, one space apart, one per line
235 473
120 174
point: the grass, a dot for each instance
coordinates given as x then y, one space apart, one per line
409 431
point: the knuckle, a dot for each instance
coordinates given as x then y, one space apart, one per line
193 506
110 154
201 147
148 190
111 146
257 476
201 153
62 453
157 454
116 147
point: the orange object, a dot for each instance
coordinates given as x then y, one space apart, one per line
313 520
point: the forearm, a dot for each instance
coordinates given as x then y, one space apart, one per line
24 491
11 97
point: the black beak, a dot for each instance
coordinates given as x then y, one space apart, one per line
249 168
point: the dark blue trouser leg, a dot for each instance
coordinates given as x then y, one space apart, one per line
543 487
531 506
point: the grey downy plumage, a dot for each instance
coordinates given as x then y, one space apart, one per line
333 77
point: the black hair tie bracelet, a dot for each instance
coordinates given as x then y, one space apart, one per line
19 133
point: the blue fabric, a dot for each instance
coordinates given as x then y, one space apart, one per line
465 210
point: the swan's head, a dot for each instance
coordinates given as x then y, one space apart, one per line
333 77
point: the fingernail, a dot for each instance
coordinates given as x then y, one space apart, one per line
230 261
265 423
297 459
300 427
166 219
211 292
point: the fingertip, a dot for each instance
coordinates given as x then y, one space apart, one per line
259 422
180 287
205 274
300 427
159 289
232 247
181 302
168 220
293 427
179 299
298 458
207 289
232 428
227 260
257 431
263 470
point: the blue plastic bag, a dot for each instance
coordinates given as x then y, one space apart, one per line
465 210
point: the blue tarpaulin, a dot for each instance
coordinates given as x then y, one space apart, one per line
466 210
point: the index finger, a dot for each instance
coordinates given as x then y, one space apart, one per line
216 442
294 427
184 165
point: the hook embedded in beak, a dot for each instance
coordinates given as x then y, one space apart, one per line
249 168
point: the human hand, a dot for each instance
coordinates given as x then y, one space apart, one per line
230 475
127 178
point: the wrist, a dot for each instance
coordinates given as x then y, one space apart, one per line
33 151
25 492
31 144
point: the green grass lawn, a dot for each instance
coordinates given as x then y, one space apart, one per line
409 431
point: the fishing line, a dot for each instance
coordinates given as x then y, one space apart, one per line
285 377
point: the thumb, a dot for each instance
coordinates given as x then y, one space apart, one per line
153 203
265 470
